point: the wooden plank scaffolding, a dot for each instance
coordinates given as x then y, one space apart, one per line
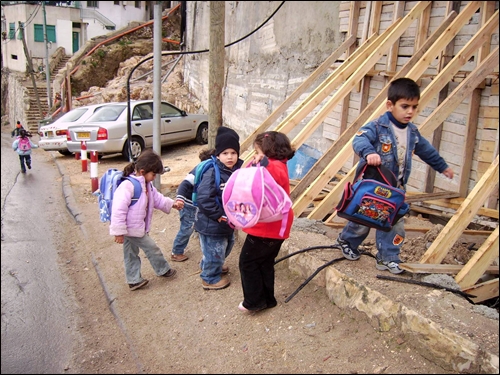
354 74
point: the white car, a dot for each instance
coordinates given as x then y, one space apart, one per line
53 135
106 131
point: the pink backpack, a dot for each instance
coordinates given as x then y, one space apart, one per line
24 144
251 196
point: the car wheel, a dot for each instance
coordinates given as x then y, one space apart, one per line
65 152
202 134
137 146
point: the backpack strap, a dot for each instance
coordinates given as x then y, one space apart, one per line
137 189
217 178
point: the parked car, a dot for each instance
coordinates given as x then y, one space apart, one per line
106 131
53 135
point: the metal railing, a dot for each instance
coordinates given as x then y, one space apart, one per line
92 13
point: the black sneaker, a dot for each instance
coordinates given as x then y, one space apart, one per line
170 273
138 285
29 166
347 251
392 267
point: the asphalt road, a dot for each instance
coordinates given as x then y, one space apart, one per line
36 332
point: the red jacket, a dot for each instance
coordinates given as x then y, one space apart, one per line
279 171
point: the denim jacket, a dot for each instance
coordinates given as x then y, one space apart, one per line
378 137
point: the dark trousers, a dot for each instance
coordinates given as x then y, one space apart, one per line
23 159
257 271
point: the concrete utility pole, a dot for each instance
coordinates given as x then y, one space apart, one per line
30 68
216 58
47 60
157 37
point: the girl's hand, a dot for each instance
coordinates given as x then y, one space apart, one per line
178 205
119 239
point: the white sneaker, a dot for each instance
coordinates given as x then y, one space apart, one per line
392 267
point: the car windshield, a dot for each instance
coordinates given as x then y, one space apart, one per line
107 113
72 115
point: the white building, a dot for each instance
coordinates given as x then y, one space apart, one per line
69 24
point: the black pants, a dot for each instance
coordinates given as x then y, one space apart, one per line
27 159
257 271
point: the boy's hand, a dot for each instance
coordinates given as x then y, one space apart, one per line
373 159
448 172
119 239
178 205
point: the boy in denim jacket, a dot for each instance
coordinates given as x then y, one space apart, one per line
391 140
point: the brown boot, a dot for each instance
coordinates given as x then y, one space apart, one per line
223 283
179 257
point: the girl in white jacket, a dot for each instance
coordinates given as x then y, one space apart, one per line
23 146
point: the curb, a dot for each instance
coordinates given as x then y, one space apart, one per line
75 212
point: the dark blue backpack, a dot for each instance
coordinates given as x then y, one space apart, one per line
110 180
198 175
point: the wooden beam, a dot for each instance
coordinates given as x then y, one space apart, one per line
455 205
463 90
477 265
423 27
467 51
410 198
450 233
451 269
353 25
392 56
409 228
483 291
445 58
367 113
469 142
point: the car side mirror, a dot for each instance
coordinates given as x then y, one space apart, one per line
183 113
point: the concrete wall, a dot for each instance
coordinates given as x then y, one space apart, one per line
264 68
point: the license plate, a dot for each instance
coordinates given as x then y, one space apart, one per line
83 135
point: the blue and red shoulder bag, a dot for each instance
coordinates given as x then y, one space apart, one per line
373 199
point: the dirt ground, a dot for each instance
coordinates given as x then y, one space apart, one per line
174 326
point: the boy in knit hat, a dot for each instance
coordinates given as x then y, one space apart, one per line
216 236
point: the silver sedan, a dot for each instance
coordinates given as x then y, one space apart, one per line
106 131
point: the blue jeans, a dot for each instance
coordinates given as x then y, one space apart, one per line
388 243
23 159
186 216
215 250
131 246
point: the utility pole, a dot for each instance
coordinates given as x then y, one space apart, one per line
216 59
47 65
157 38
30 68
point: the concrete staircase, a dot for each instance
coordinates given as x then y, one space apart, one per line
33 114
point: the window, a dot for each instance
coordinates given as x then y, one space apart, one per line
12 30
116 2
51 33
137 4
92 4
